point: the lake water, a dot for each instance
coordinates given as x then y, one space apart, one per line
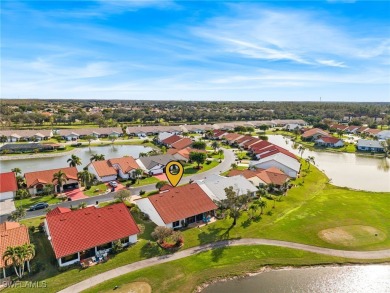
349 170
38 164
344 279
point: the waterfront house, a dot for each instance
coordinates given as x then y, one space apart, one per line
288 164
384 134
314 133
178 207
36 181
370 145
214 186
27 147
109 170
8 185
89 232
154 165
11 234
329 141
74 134
26 135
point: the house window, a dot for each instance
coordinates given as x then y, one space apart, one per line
69 258
104 246
125 240
176 224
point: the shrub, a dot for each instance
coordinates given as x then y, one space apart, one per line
117 246
36 267
141 192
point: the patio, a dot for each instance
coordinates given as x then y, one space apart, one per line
94 260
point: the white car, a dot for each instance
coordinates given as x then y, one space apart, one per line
113 183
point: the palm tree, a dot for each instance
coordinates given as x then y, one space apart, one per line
60 177
74 161
310 159
17 171
138 173
262 204
253 208
26 255
85 177
220 153
215 145
301 150
11 254
234 166
96 157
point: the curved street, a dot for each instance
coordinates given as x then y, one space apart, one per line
100 278
222 167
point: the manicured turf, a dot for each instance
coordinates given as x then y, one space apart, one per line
27 202
186 274
192 169
145 181
96 190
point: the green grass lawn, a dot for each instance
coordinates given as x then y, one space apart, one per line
96 190
312 207
186 274
27 202
145 181
192 169
243 155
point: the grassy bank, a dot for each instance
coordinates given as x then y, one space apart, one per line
186 274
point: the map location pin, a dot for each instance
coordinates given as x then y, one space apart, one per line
174 171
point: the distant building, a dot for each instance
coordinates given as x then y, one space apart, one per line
329 141
369 145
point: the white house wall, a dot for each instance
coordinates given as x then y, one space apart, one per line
6 195
147 207
272 163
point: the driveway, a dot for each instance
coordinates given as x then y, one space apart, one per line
75 194
7 206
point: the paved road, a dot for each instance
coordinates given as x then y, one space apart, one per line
222 167
100 278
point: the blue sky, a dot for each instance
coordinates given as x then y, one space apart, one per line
196 50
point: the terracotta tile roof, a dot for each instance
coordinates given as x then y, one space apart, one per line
182 143
58 210
338 126
218 133
329 139
185 153
12 234
103 168
46 176
232 136
83 229
352 128
246 173
251 142
8 182
244 138
314 131
259 145
125 163
361 129
181 202
172 139
273 175
372 131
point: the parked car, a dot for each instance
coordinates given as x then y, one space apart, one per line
39 206
113 183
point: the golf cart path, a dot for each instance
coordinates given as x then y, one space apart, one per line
102 277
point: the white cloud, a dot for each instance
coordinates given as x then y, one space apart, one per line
332 63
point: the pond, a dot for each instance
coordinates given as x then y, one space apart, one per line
346 169
38 164
344 279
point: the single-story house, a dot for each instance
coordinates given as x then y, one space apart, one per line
215 185
11 234
163 135
74 134
125 166
314 133
103 171
292 126
36 181
329 141
25 147
182 143
171 140
84 233
177 207
152 130
384 134
184 154
370 145
200 128
218 134
283 122
251 175
340 127
352 129
26 135
289 165
154 165
230 138
8 185
273 176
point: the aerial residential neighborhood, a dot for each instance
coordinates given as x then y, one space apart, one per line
194 146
